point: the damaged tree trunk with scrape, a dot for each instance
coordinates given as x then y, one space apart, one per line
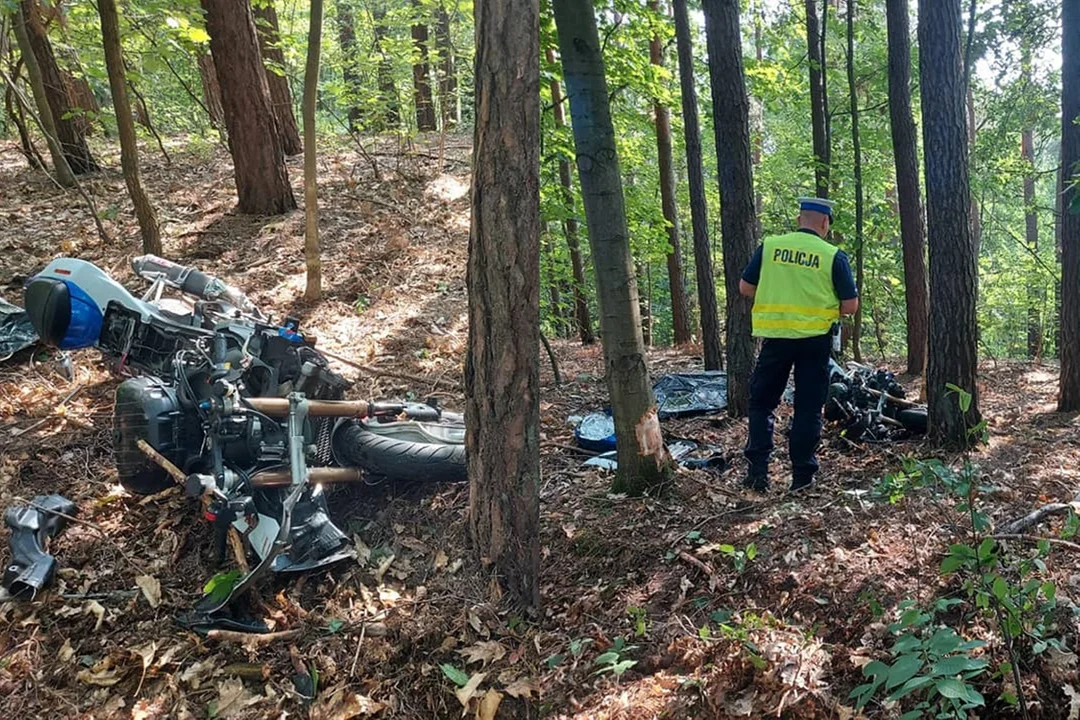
643 461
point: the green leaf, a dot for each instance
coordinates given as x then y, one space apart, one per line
957 664
218 587
912 715
951 563
607 658
1000 588
334 625
1049 591
877 670
727 549
986 549
619 668
951 688
551 662
751 551
903 670
910 686
461 678
944 641
973 696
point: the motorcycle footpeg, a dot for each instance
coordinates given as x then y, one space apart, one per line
202 623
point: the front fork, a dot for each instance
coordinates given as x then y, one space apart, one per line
298 412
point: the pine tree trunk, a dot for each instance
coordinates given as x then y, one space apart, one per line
129 149
64 116
815 44
1069 397
313 289
61 168
570 224
976 215
448 101
699 212
856 333
262 182
905 154
1031 227
643 461
26 145
425 106
502 377
1059 190
389 112
346 24
737 218
953 273
680 322
266 22
212 92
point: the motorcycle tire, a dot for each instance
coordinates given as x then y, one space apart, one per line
913 419
413 451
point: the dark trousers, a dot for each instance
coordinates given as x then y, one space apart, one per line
810 358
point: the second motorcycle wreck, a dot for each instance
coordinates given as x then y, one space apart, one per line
243 413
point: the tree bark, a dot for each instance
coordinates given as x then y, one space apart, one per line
425 106
448 96
1069 397
26 145
63 171
737 218
313 289
502 375
643 461
389 113
266 22
212 92
976 215
853 95
570 224
262 182
1031 228
680 322
953 273
905 154
72 140
699 212
129 148
815 43
346 23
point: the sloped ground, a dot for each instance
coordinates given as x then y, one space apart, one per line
650 582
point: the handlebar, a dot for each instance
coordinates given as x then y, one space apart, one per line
190 280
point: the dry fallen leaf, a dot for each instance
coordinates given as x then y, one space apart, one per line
103 674
441 559
484 651
1074 701
66 652
95 608
151 589
233 698
466 693
523 688
194 674
363 552
489 705
343 704
383 567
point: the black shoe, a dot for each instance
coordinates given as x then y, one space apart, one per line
801 483
757 483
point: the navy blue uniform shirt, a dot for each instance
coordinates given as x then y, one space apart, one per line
842 279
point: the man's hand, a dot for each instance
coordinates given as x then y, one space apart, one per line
746 289
849 307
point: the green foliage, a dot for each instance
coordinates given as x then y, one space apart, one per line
218 587
615 661
930 662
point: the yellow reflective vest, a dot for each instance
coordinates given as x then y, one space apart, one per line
795 296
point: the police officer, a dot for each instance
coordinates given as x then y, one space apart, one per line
800 285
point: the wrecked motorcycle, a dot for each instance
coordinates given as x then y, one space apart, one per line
244 412
870 405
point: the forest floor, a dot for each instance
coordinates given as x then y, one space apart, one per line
712 630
